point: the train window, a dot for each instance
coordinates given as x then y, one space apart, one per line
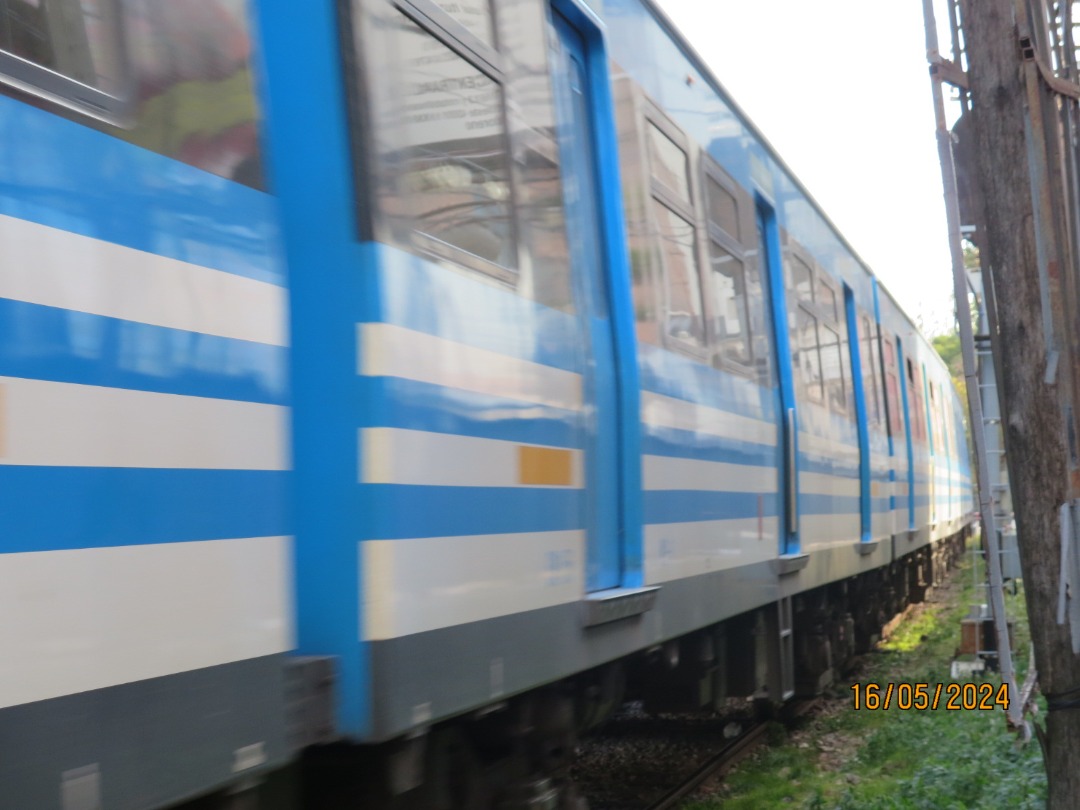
802 280
673 212
475 17
729 312
869 356
935 439
918 414
449 193
826 300
723 210
808 357
669 165
832 367
678 248
735 287
67 51
892 386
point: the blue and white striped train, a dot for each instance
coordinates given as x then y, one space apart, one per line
394 386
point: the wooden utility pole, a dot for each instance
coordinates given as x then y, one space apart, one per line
1026 254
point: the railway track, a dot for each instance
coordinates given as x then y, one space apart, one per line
718 763
655 762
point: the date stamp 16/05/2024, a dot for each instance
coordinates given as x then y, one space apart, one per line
952 697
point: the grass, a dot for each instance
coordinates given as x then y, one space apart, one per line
843 759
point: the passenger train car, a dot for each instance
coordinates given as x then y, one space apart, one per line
390 388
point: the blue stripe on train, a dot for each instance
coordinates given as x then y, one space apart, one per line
400 403
688 506
61 345
511 325
56 508
701 447
670 374
398 511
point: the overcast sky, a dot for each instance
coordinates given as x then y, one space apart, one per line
841 89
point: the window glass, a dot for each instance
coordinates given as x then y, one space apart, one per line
893 392
832 368
473 15
868 358
826 300
723 210
729 305
195 90
809 360
668 162
454 172
802 280
684 312
78 39
918 415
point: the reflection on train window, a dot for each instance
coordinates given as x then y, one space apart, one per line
870 362
176 76
832 368
723 210
761 346
474 16
66 55
683 319
802 280
196 92
668 162
808 358
826 300
77 38
454 177
729 305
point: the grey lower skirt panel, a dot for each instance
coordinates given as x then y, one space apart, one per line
146 744
429 676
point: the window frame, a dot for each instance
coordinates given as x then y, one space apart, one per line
829 318
809 309
27 76
661 193
370 220
715 234
870 363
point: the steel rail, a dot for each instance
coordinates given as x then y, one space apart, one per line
724 758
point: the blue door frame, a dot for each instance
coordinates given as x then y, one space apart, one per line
788 445
588 147
902 374
860 413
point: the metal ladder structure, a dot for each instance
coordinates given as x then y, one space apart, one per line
953 72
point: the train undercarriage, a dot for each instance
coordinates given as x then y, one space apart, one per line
516 754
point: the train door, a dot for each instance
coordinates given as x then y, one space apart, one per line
861 416
909 436
577 147
788 478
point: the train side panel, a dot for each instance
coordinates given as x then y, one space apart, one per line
145 575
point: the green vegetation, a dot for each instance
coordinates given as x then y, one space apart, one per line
843 759
948 347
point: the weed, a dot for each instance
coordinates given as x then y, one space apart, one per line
901 760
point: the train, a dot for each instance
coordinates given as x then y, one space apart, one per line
392 388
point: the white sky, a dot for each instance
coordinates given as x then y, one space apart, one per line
841 89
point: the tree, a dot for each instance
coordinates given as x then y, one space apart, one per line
1005 91
948 348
